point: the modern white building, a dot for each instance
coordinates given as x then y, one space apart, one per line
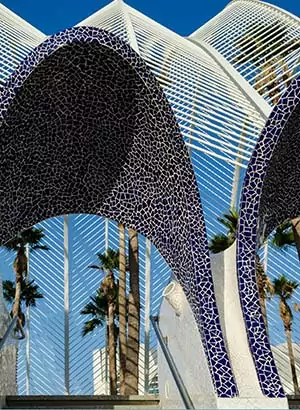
101 374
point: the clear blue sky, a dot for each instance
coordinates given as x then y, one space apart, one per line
182 16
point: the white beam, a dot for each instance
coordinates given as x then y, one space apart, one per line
147 313
66 305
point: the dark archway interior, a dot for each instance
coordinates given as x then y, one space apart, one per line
280 198
75 100
84 135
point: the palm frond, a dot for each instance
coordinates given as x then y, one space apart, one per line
219 243
283 237
230 221
31 237
90 325
9 290
29 292
109 261
94 267
39 247
251 47
284 288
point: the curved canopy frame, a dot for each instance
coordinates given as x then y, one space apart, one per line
86 129
269 197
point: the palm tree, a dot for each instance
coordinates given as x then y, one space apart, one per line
220 242
29 293
122 309
285 289
30 238
108 290
230 220
97 309
295 222
133 340
265 289
283 236
268 56
288 234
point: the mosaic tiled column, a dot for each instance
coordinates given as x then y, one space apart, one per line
266 201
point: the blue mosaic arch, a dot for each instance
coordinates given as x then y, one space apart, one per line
87 129
266 201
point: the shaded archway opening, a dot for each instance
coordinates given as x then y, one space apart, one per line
270 195
141 177
280 198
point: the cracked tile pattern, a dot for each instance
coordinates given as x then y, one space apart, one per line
269 196
87 129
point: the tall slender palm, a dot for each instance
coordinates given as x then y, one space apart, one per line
30 238
133 341
122 309
221 242
108 289
285 289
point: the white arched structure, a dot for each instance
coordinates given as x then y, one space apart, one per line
221 86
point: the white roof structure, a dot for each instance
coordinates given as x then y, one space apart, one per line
221 82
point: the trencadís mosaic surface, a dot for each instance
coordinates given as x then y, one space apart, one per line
269 197
86 129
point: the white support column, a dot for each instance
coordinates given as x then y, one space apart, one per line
147 313
28 332
107 390
236 175
266 251
106 233
66 304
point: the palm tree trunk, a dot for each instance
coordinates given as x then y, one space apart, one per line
19 269
106 355
264 314
296 230
122 309
112 350
261 280
133 342
17 302
292 360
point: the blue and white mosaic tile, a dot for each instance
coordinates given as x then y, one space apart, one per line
87 129
267 201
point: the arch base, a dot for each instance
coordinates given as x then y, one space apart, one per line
186 347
